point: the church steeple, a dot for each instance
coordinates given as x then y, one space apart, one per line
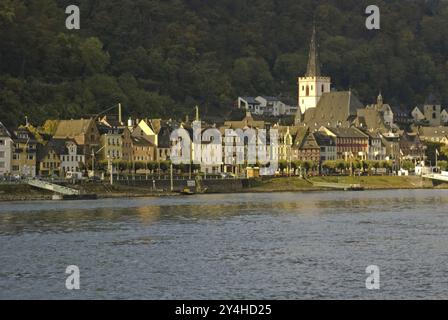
313 85
313 69
379 100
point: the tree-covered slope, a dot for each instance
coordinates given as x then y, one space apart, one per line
160 58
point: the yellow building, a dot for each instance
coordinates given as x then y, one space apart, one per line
48 160
24 153
112 144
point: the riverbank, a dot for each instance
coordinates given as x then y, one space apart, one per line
293 184
22 192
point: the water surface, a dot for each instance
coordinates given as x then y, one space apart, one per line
238 246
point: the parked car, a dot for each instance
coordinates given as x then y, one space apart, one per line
227 175
73 175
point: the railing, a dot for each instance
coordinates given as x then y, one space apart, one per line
52 187
436 176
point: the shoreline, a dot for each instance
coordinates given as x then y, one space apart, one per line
20 193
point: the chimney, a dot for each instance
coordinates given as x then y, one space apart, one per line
130 123
119 114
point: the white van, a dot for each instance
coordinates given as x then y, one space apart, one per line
73 175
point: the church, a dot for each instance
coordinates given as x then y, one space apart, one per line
319 105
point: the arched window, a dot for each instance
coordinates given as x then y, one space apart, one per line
307 90
323 88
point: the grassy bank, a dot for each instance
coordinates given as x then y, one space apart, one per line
368 182
287 184
380 182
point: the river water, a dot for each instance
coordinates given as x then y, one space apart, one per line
229 246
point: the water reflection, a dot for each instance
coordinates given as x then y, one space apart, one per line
250 246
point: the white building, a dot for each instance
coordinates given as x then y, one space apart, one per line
250 104
265 105
444 116
6 145
431 112
312 85
72 159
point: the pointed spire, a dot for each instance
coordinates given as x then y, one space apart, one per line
313 69
197 113
379 100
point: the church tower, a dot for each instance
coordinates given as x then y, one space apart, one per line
312 85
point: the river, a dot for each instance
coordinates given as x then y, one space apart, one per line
229 246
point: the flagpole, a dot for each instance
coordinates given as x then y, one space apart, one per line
437 153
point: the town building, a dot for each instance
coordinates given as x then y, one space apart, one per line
285 142
391 140
144 129
48 160
143 150
250 104
71 155
411 147
430 113
6 150
24 157
350 142
377 116
327 145
83 132
402 117
376 150
309 150
266 105
434 134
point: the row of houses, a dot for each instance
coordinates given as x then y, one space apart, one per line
79 145
76 145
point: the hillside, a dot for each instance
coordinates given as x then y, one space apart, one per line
160 58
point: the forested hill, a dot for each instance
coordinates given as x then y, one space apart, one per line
160 58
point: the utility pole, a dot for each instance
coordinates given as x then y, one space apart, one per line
93 163
437 153
109 162
171 176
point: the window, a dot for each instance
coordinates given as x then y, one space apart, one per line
2 154
2 165
323 88
307 90
2 142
